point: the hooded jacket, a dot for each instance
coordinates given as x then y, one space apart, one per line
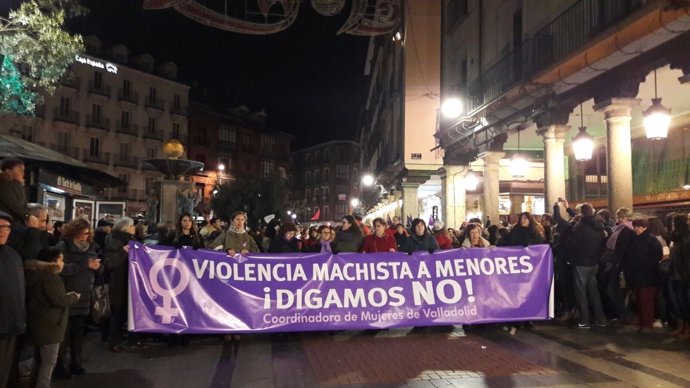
46 303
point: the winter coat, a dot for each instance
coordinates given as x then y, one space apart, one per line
373 243
443 240
76 274
641 261
235 241
521 236
117 263
47 303
12 198
468 244
680 258
350 240
400 241
12 293
281 245
189 240
415 243
28 241
586 243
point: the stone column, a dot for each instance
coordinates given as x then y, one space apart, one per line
554 162
410 206
491 182
617 115
454 195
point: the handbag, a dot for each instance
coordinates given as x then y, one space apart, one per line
100 303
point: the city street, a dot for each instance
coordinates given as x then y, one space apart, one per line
551 354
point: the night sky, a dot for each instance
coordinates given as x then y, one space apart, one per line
309 80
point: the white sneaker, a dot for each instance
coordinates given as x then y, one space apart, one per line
657 324
458 331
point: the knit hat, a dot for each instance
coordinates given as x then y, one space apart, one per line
438 225
5 216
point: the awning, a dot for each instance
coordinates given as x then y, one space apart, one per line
12 147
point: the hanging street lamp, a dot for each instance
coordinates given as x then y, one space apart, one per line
518 165
583 145
657 118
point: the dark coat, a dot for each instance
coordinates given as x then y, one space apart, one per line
641 261
46 303
680 258
78 277
189 240
28 241
117 263
415 243
520 236
316 248
350 240
12 198
400 241
586 243
281 245
12 293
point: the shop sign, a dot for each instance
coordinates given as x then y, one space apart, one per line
109 67
68 185
342 197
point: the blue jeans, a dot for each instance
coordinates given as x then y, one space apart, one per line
587 293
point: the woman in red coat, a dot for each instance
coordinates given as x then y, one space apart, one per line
379 241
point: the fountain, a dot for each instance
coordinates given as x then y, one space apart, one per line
174 187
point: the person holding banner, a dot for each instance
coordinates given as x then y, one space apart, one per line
379 241
186 234
420 239
350 238
325 242
285 241
236 239
474 237
524 233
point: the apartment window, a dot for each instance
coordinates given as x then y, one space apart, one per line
307 194
340 210
245 141
65 104
342 172
317 157
62 141
126 88
124 119
267 143
124 178
151 153
95 147
227 134
325 192
176 131
307 178
176 101
152 125
316 193
307 159
317 176
327 156
96 113
200 136
324 213
97 79
326 174
124 151
267 167
28 133
152 94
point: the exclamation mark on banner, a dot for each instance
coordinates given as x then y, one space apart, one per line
470 291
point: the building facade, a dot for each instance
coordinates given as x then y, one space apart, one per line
112 110
398 121
234 144
325 179
530 72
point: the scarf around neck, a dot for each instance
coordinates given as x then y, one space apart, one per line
325 246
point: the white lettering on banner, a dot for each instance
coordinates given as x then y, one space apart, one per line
109 67
300 318
314 299
485 266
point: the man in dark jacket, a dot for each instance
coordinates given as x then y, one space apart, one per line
12 194
12 297
586 245
30 237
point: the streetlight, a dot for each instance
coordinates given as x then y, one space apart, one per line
582 142
367 180
471 181
293 216
657 118
289 212
451 108
221 167
354 202
518 166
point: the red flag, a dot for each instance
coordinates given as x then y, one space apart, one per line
316 215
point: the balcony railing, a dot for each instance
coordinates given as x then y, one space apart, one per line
100 89
121 160
179 110
570 31
71 82
155 134
66 116
131 97
127 128
98 122
154 103
72 152
101 157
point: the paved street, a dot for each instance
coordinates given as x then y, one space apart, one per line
551 354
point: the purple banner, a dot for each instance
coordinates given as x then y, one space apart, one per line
202 291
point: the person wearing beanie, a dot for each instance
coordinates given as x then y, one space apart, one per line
441 234
46 307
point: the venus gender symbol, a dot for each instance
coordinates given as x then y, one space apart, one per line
167 311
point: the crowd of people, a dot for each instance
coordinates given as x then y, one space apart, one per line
603 265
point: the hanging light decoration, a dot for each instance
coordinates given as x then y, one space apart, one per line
582 142
686 182
471 181
518 165
328 7
657 118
